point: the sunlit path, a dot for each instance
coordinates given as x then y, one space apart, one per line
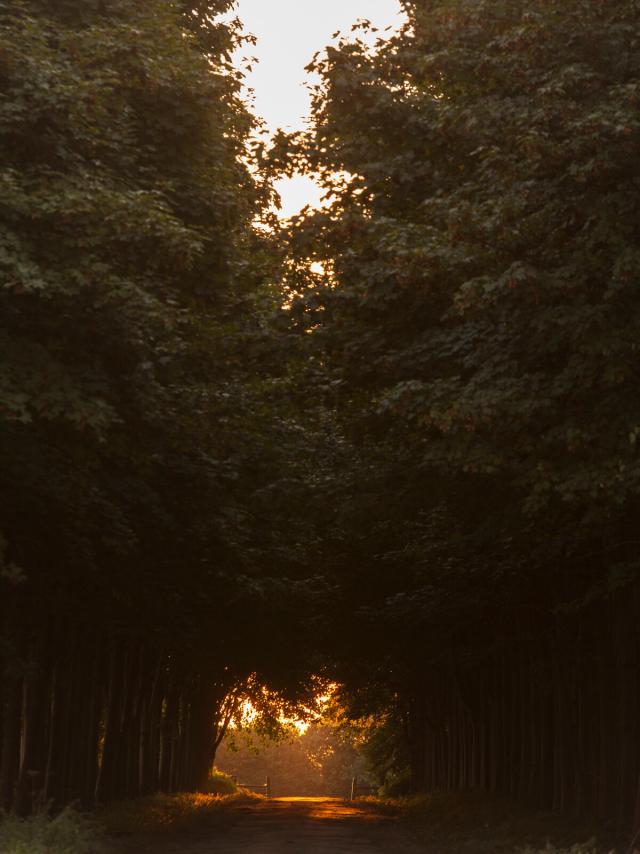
297 826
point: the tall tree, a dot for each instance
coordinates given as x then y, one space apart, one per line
134 296
477 320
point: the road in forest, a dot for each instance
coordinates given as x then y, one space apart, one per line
296 826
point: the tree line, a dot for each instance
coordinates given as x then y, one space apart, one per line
140 388
478 319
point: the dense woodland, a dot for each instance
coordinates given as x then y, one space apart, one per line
392 444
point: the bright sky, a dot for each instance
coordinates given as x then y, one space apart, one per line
289 33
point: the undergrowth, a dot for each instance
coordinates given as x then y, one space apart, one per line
161 812
220 783
67 833
70 832
476 823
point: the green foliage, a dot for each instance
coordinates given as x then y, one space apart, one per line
67 833
476 318
220 783
141 384
125 211
386 754
485 243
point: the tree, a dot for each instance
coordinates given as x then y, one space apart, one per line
476 319
134 300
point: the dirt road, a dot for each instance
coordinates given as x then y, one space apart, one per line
295 826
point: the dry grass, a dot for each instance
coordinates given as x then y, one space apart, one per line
163 812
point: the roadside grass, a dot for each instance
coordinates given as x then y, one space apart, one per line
163 812
69 832
452 823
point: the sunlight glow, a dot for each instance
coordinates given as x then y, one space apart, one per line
248 713
297 192
289 33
